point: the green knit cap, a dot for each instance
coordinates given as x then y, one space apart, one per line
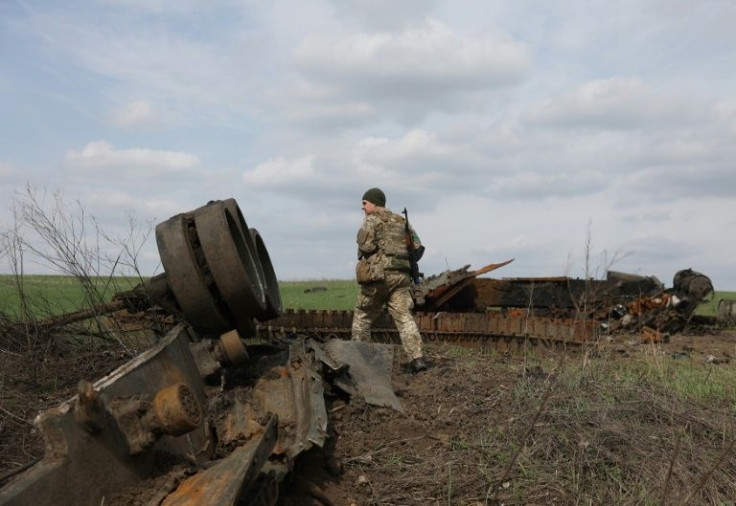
375 196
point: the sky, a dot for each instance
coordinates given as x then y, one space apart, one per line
575 136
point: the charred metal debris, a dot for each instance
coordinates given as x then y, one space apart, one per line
236 387
510 313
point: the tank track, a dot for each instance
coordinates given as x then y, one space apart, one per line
493 329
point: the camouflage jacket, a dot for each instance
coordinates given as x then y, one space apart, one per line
382 240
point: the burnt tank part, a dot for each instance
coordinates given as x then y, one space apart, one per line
233 349
273 295
108 437
218 271
217 275
177 410
693 284
232 206
726 314
231 261
173 411
211 355
189 277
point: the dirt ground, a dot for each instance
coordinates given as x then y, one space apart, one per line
519 429
535 427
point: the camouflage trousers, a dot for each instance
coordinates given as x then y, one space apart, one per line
395 293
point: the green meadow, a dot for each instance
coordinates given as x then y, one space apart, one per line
53 295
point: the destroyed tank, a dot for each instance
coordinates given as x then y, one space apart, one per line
217 411
203 417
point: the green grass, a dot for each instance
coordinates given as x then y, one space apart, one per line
53 295
319 294
710 308
688 380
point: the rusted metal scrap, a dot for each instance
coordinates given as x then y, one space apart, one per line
491 329
435 291
104 434
110 437
621 301
726 311
459 307
562 295
668 311
230 417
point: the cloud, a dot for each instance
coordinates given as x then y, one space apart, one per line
682 164
425 64
684 183
132 114
5 171
516 120
418 151
384 14
332 115
12 176
540 186
208 76
102 156
424 164
430 54
161 6
115 204
418 161
280 171
614 103
725 112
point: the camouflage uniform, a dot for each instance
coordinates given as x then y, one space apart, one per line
382 247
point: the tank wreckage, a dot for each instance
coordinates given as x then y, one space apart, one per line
235 388
459 307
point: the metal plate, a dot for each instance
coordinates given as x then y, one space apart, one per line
185 277
225 483
369 368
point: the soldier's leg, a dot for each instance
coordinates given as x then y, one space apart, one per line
400 305
370 302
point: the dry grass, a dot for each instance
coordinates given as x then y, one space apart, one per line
521 430
596 428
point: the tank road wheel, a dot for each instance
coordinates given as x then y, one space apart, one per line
232 264
232 346
273 295
196 295
232 206
177 409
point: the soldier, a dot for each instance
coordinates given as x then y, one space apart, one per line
383 274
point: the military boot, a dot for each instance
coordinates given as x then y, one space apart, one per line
418 365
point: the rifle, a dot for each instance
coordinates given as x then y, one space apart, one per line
415 254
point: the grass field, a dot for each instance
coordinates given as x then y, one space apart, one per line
322 294
710 308
53 295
